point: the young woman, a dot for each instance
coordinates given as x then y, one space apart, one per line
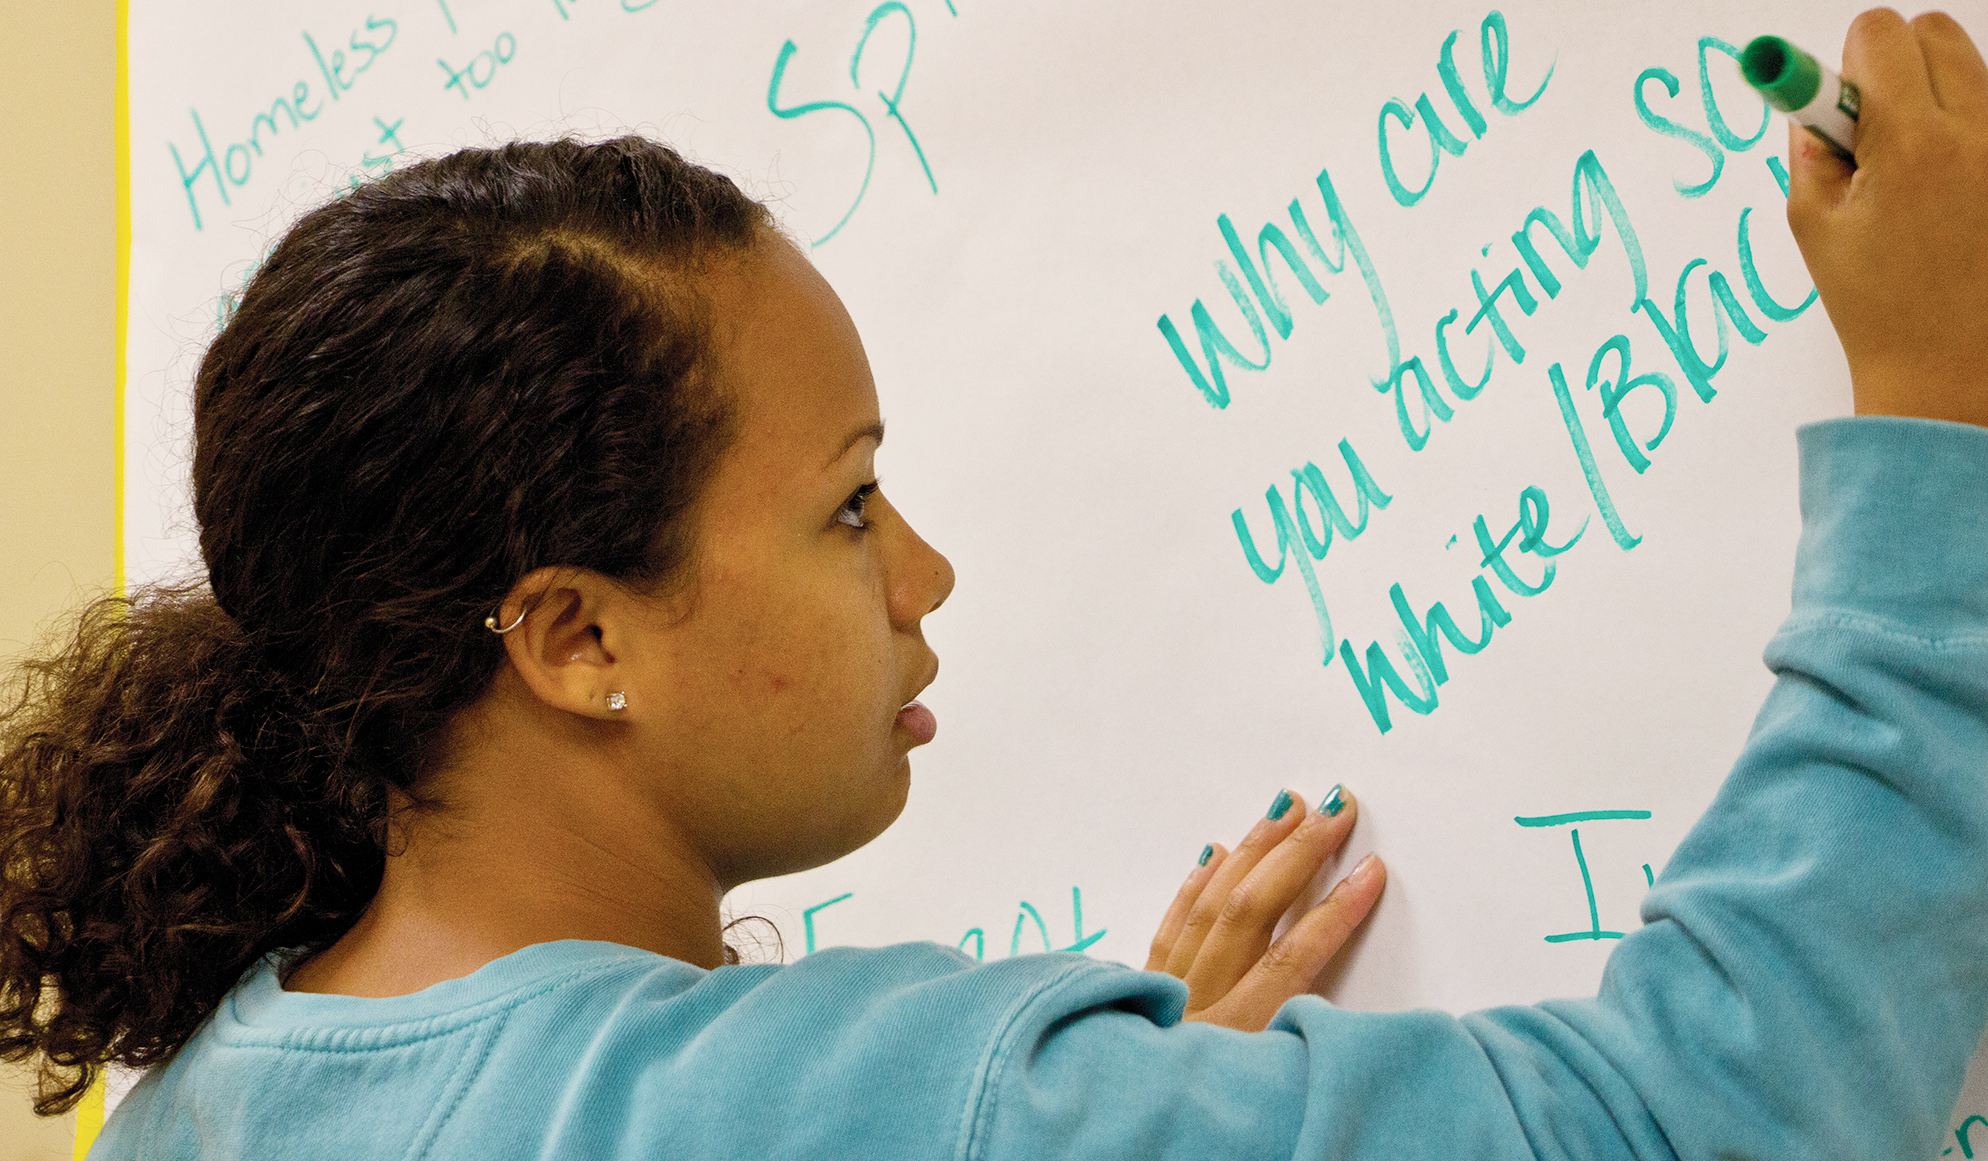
550 596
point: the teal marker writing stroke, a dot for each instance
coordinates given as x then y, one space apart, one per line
1797 84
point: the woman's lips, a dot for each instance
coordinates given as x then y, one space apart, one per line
916 720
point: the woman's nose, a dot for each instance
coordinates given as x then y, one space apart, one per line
921 582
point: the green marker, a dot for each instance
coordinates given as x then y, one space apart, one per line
1797 84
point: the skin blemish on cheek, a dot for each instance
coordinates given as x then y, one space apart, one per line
776 682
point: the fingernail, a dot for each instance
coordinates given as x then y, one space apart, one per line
1279 805
1365 867
1207 852
1333 803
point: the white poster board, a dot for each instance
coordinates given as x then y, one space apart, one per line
1024 206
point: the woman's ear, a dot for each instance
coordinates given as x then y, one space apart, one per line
553 627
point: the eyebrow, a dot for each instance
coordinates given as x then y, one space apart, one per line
874 431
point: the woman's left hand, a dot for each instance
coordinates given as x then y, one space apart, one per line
1217 935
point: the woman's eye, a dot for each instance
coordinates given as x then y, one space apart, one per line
851 512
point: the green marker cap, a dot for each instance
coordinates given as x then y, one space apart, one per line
1784 74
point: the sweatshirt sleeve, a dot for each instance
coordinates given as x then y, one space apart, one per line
1813 969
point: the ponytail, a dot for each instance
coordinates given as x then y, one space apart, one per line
167 820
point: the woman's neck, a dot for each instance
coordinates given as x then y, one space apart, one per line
520 846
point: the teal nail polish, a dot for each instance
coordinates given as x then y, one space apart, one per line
1333 803
1207 852
1279 805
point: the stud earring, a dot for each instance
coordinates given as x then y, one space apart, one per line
617 700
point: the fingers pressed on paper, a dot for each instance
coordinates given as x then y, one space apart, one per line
1250 913
1290 966
1289 810
1183 902
1326 927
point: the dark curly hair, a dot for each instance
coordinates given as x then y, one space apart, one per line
474 367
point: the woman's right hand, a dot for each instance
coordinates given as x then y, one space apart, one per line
1898 242
1217 935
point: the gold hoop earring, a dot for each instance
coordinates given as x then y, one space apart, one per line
490 623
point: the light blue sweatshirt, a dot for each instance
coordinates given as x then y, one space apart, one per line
1811 976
